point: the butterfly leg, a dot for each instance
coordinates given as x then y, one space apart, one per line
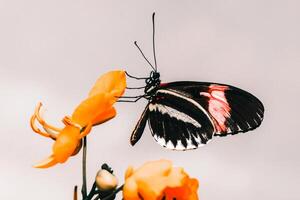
134 77
130 97
136 98
135 88
131 101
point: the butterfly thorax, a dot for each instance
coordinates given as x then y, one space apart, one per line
152 83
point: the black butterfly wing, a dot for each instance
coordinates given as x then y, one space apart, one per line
140 126
171 127
179 122
184 115
231 109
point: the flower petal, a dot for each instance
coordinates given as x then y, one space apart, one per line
48 162
129 172
91 108
66 144
96 109
113 82
105 116
159 180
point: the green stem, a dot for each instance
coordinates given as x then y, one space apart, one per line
84 187
75 193
92 192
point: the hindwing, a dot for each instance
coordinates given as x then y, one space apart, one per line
178 122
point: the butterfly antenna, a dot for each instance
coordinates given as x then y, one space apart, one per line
135 43
153 40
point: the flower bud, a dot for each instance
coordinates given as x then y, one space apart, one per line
106 180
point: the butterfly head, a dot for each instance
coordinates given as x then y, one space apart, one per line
154 75
152 82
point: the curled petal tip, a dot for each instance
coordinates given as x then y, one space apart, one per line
48 162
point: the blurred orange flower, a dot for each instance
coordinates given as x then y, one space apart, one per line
158 180
94 110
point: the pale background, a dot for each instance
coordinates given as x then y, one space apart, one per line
53 51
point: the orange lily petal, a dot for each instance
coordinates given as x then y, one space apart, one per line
66 143
105 116
96 109
157 180
129 172
48 162
113 82
91 108
147 181
187 191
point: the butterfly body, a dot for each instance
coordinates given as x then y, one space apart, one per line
153 82
184 115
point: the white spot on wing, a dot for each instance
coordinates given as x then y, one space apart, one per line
180 146
228 129
239 128
190 144
174 113
248 125
198 140
170 145
260 117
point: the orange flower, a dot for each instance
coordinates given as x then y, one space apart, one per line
188 190
158 180
94 110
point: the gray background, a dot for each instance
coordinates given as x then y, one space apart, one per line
53 51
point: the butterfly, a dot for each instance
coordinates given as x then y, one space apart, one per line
184 115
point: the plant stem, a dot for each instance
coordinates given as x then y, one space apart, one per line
84 187
112 194
75 193
92 192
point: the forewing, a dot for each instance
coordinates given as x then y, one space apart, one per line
231 109
178 122
140 126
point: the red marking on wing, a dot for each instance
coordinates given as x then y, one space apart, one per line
163 84
218 106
